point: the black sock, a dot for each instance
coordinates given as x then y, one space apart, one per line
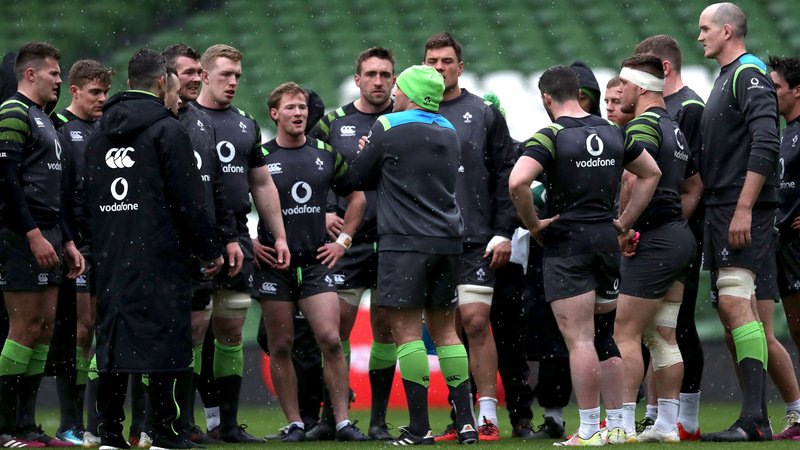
462 400
753 375
184 390
80 395
381 384
67 397
229 388
206 385
26 402
9 384
111 389
417 398
92 421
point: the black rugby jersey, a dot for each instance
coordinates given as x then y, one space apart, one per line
789 193
342 129
686 108
238 146
28 138
655 132
303 177
740 133
487 157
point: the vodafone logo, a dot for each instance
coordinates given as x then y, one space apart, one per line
119 188
58 149
594 150
226 151
679 138
301 186
119 158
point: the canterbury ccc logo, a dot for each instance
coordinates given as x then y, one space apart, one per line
119 158
119 188
226 151
296 189
197 158
590 146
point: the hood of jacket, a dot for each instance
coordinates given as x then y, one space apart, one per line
130 112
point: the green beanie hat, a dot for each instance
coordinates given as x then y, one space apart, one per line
423 85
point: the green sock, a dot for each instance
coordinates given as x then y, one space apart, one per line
228 360
454 364
38 360
765 349
347 351
81 367
197 358
414 363
93 368
382 355
14 358
750 342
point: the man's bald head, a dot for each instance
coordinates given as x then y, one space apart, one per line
729 14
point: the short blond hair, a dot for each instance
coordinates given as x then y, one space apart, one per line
219 51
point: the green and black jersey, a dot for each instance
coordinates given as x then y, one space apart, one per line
30 166
342 129
75 134
686 108
303 177
583 159
655 132
487 157
740 133
789 193
238 145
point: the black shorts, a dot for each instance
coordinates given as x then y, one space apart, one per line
575 275
544 337
766 284
417 280
718 253
296 283
201 296
788 262
358 268
473 268
662 257
18 268
243 281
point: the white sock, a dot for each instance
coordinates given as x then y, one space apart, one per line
488 409
342 424
651 412
629 418
667 414
556 413
301 425
212 417
793 406
689 413
590 422
613 418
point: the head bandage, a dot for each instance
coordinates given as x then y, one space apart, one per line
642 79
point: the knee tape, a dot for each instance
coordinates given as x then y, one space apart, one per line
663 354
231 304
736 283
604 338
351 296
667 315
471 293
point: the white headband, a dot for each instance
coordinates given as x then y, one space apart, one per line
642 79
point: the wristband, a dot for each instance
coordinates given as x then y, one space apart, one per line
345 240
